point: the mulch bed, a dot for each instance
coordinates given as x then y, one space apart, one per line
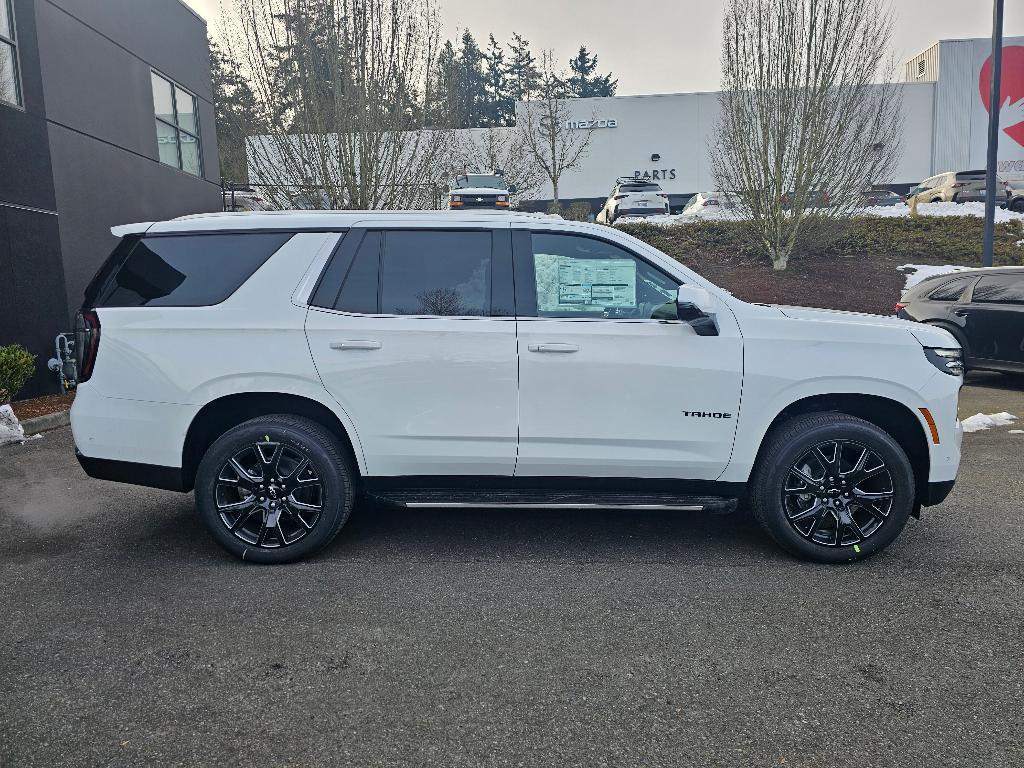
40 406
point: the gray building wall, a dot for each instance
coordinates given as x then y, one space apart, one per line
101 128
82 155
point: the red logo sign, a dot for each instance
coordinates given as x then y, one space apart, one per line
1011 90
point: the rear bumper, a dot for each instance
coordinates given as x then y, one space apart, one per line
149 475
640 212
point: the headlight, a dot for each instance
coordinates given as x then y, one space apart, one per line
946 359
456 198
502 198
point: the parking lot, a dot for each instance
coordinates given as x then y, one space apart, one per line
508 638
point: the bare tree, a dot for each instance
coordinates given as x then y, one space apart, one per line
809 112
487 149
342 86
556 141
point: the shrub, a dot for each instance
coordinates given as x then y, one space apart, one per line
16 366
578 211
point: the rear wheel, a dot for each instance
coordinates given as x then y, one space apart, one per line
832 488
275 489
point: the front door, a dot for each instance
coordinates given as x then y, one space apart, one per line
610 383
995 319
415 339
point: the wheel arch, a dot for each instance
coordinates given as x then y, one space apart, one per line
219 415
892 416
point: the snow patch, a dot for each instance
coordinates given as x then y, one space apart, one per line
1017 431
980 421
11 430
917 272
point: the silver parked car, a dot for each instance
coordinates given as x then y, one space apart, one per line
958 187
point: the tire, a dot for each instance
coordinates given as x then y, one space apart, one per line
956 199
1017 205
803 524
306 507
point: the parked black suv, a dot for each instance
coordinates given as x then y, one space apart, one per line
982 308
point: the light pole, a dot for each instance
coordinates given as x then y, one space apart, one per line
993 132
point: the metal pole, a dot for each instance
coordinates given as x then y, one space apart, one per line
993 132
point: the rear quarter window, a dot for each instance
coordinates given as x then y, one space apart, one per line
182 270
951 291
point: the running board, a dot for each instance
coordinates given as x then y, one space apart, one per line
435 498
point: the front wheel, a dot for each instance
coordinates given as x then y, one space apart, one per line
832 488
275 489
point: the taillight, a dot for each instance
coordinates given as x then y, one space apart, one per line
87 342
899 306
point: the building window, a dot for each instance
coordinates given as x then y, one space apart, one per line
10 85
177 126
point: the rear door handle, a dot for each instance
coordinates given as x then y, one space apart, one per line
563 348
355 344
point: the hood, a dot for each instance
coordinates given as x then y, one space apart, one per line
478 191
926 335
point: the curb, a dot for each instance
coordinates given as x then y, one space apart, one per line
47 422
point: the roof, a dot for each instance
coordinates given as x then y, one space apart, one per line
312 220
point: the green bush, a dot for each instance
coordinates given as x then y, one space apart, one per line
16 366
926 239
578 211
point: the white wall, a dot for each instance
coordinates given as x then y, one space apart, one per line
679 127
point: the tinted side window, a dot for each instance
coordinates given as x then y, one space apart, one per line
187 270
1000 289
951 291
585 277
436 273
359 291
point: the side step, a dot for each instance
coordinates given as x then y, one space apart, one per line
436 498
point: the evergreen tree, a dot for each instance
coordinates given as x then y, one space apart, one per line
500 106
521 73
471 94
236 110
442 108
582 82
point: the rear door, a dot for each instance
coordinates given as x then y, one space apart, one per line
413 334
995 319
611 384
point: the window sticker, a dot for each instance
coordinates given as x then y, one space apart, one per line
566 283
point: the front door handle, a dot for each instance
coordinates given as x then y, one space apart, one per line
960 312
563 348
355 344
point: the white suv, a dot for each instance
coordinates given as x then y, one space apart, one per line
281 365
633 197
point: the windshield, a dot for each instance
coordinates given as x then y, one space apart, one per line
480 180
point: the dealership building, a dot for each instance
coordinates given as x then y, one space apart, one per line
665 137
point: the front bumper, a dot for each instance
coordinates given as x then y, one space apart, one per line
937 492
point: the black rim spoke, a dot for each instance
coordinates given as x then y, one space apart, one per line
269 494
850 501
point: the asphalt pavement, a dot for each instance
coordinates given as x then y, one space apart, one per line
490 638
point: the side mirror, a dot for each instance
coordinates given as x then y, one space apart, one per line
695 306
512 189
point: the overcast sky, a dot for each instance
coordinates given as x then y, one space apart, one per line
671 46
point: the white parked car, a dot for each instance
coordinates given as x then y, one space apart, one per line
633 197
282 364
705 202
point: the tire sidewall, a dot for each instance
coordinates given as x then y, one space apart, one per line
771 512
337 490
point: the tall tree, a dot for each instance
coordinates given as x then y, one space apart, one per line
521 73
808 110
556 144
582 82
471 96
500 106
352 134
236 112
441 110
